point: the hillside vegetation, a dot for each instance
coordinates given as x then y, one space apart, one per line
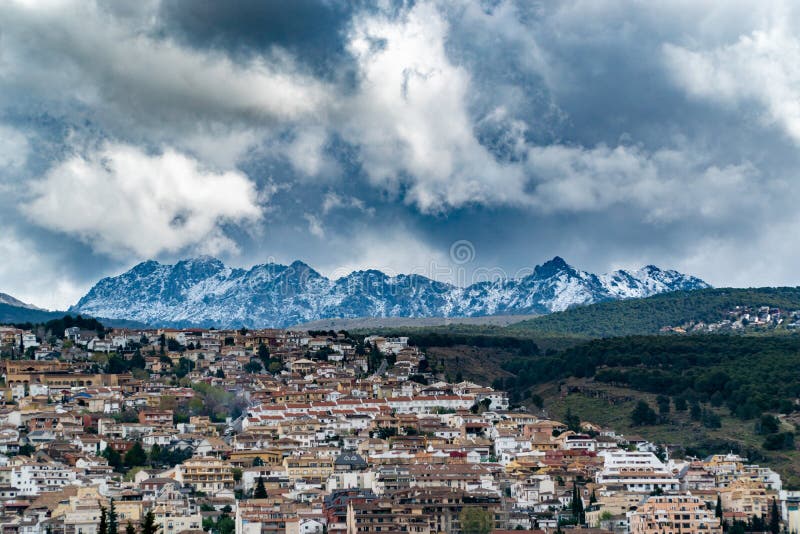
649 315
748 374
705 392
16 315
702 393
27 317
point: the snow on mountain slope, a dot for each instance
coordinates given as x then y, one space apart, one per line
5 298
205 292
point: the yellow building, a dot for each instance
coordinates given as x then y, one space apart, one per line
205 474
245 458
670 514
746 496
308 467
172 520
614 503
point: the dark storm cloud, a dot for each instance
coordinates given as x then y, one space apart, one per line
312 30
363 134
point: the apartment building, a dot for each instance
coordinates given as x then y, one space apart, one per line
205 474
671 514
636 472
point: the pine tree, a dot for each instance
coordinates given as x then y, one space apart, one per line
155 453
129 529
573 421
263 354
260 491
149 523
114 458
135 456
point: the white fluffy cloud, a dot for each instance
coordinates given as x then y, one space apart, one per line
315 227
144 87
122 201
666 184
410 116
412 124
32 275
510 107
760 67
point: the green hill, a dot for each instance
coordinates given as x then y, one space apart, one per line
704 393
18 315
649 315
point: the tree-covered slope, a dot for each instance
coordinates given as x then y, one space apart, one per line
16 315
649 315
749 373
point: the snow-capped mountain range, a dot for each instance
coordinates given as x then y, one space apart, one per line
205 292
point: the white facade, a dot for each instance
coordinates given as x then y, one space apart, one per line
33 479
636 471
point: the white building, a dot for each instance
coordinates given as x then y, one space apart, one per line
35 478
636 471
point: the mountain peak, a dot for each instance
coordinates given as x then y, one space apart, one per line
205 261
552 267
143 269
558 261
651 269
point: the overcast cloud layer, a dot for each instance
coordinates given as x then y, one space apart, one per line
353 135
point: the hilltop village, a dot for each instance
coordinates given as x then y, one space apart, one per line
278 431
743 319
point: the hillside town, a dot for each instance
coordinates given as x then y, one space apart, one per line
280 431
741 319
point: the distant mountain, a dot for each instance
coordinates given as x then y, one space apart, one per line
5 298
649 315
14 311
389 323
205 292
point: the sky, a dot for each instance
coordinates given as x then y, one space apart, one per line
393 134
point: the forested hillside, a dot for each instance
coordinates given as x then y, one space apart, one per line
749 374
649 315
15 314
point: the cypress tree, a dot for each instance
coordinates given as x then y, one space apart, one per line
718 510
112 518
577 505
103 527
260 491
775 518
574 503
129 529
